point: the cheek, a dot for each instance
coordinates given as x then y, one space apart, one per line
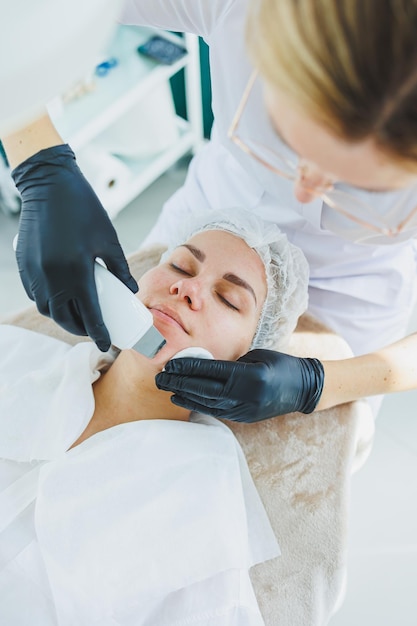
228 337
149 283
154 285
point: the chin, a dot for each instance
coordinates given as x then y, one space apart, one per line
166 353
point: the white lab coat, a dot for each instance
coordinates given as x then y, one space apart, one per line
152 523
364 292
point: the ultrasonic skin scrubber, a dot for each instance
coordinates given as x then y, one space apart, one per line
129 322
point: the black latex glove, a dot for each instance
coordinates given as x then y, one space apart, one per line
63 228
260 385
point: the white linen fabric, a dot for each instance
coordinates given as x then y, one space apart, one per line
363 292
152 523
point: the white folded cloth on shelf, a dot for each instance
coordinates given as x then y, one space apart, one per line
148 523
108 175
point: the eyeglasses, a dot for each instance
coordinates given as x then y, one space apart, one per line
338 196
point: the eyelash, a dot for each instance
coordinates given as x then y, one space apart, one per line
227 303
179 269
221 298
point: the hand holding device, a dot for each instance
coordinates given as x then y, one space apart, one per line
259 385
63 228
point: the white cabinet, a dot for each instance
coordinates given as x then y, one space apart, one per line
124 130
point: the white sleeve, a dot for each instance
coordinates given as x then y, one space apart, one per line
178 209
192 16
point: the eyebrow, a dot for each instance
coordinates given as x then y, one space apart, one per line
231 278
199 254
236 280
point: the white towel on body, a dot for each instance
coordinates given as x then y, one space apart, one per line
152 523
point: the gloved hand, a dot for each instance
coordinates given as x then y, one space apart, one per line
63 228
259 385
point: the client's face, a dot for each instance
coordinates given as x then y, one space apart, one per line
208 293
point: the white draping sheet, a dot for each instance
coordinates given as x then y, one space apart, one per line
152 523
46 398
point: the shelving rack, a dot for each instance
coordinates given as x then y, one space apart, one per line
82 120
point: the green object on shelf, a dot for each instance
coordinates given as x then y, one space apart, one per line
177 85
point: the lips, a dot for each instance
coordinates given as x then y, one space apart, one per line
165 313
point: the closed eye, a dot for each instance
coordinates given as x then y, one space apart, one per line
227 303
178 269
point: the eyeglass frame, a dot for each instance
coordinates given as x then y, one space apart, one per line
321 193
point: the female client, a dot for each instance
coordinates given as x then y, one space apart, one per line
112 509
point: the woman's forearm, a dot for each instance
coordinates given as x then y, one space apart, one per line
388 370
26 142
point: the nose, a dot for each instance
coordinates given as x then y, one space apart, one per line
189 290
309 183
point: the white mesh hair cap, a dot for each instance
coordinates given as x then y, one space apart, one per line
286 269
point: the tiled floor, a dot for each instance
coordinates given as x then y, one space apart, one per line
382 571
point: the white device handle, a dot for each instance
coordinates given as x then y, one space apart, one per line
126 318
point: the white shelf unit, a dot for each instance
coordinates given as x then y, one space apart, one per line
82 120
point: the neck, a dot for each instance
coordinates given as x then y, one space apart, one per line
127 393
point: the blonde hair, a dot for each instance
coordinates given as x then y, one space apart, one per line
352 64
